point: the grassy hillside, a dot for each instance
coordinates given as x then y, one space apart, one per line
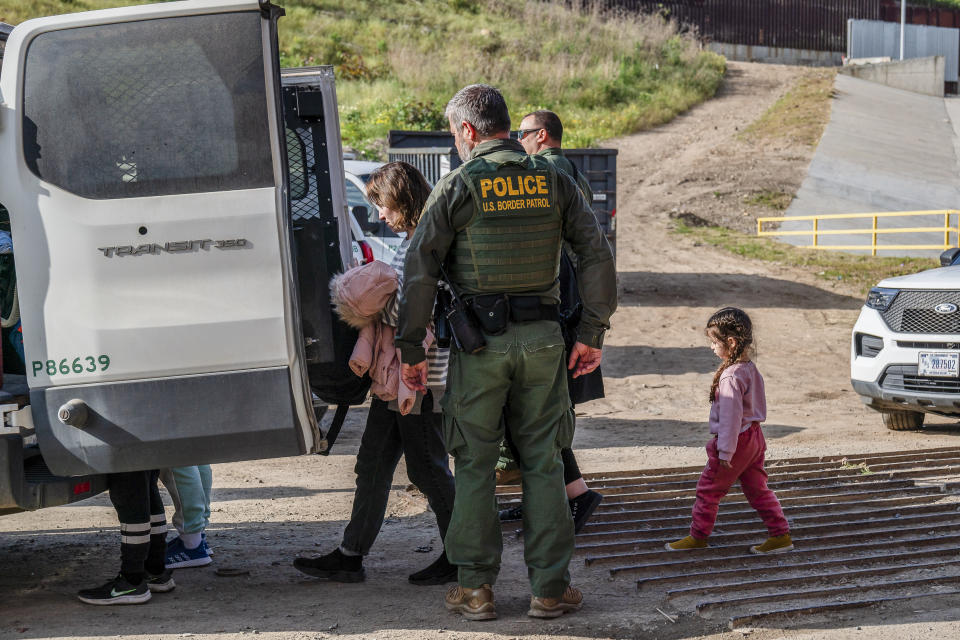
399 61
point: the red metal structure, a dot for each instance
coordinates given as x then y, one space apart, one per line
819 25
937 17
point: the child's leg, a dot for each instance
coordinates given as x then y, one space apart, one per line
158 528
193 502
753 481
206 479
170 483
130 495
714 483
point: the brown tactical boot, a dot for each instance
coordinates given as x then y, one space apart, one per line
776 544
686 544
472 604
571 600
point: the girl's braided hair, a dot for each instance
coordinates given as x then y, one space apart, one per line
729 322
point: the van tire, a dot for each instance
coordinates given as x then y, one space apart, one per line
903 420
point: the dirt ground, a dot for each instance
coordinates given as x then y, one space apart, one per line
657 367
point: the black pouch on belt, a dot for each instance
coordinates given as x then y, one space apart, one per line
464 329
492 312
526 309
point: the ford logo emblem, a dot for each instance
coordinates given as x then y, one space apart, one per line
945 308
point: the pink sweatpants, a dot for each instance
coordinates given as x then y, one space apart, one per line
715 482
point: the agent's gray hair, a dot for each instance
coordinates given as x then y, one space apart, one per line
482 106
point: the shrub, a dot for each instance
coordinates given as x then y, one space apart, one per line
607 73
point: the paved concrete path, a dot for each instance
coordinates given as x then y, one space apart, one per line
883 150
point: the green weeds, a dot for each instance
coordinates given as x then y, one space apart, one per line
397 63
863 467
800 116
776 200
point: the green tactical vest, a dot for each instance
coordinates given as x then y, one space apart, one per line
563 163
512 242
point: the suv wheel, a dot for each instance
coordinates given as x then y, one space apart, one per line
903 420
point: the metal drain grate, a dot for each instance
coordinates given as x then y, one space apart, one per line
868 529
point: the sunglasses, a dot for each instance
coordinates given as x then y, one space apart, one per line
522 133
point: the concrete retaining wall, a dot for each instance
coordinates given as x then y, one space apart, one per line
778 55
873 38
884 149
920 75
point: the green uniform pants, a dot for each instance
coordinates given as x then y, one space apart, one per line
522 371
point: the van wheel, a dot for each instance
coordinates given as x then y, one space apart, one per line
903 420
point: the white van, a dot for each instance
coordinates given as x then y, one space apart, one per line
177 208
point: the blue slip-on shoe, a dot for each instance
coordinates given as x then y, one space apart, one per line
179 557
206 546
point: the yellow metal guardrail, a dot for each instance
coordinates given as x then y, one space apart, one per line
816 232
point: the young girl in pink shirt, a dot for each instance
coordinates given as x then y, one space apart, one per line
736 452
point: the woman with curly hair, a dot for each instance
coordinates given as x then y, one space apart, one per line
399 192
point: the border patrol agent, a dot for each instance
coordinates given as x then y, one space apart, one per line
541 133
498 223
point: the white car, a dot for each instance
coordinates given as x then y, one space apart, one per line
372 238
905 348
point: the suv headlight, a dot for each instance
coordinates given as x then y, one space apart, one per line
880 298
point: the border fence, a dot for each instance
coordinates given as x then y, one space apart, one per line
818 25
930 16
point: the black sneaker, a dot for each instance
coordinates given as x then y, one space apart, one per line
440 572
117 591
582 507
511 514
333 566
161 583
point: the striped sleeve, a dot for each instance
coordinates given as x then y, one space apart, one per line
437 357
391 312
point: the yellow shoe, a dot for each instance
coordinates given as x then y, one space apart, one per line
509 476
571 600
686 544
472 604
776 544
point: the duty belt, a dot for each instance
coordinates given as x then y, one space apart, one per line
496 310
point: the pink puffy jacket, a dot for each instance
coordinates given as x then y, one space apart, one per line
359 296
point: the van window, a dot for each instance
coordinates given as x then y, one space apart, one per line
356 198
148 108
297 165
302 162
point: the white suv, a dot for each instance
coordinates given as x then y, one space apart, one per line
905 349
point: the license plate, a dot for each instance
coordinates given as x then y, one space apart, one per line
939 365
